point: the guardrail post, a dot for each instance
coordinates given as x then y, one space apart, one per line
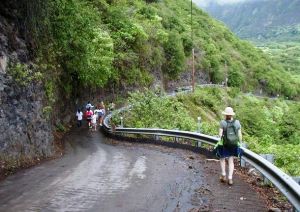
198 143
270 158
199 124
176 139
122 124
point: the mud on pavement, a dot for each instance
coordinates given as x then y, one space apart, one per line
98 174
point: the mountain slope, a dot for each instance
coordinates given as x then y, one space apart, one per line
142 41
269 19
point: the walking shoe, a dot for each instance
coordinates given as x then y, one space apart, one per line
230 182
223 179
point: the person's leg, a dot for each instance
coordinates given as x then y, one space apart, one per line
230 169
223 169
101 120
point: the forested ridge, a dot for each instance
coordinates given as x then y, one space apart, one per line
132 43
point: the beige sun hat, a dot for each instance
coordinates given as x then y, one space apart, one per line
228 111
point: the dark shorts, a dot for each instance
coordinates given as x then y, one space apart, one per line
223 152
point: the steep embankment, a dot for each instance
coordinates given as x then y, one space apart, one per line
25 133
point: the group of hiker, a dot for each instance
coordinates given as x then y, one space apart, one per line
94 115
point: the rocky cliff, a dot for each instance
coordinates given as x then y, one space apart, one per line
25 133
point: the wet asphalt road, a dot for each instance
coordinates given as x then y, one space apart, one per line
95 175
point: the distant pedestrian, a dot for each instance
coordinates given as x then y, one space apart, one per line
94 121
97 110
79 116
229 144
88 114
101 114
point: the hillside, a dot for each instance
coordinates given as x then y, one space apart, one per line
138 43
259 20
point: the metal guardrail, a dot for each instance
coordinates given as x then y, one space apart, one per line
289 188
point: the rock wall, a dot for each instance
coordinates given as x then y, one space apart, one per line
25 134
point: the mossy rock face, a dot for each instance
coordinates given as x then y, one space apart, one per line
25 132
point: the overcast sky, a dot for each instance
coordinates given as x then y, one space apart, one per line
203 3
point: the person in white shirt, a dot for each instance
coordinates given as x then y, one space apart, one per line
97 110
79 116
94 121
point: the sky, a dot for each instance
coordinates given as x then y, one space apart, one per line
204 3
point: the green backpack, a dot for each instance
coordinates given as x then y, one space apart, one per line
230 135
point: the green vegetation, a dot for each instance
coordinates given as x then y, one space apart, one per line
151 111
23 75
285 53
131 42
268 125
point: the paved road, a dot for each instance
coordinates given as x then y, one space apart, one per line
97 175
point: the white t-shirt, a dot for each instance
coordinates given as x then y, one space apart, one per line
79 116
94 119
